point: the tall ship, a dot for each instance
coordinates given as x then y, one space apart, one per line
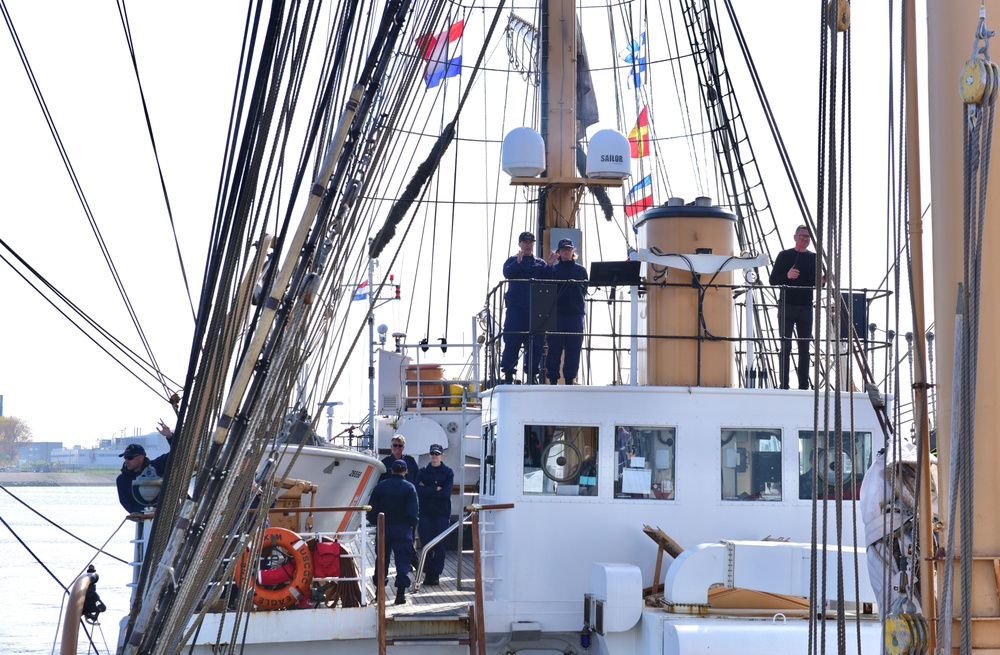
661 468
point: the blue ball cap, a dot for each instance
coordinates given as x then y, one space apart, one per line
132 450
399 465
525 236
566 243
436 449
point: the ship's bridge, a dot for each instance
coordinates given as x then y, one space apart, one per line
585 468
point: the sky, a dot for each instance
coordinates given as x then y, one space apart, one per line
51 375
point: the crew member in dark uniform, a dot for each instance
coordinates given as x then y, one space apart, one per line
517 321
434 484
397 499
571 313
795 271
396 444
134 465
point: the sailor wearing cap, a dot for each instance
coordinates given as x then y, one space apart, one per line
136 463
571 311
522 266
434 484
397 499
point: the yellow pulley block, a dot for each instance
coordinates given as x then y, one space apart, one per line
973 83
906 630
899 636
838 15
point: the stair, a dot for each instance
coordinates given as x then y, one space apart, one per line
439 628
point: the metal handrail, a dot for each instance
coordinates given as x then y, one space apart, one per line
425 548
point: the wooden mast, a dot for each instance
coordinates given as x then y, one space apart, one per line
561 182
951 31
560 39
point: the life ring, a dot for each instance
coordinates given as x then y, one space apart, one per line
287 590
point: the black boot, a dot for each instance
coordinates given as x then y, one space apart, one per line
431 580
400 595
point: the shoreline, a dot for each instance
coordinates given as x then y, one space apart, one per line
91 479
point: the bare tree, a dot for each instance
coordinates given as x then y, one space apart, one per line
14 433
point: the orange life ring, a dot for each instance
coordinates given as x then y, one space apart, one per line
299 582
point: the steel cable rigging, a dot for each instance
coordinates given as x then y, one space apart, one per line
85 205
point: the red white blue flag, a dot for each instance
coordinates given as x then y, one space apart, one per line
443 54
640 197
362 292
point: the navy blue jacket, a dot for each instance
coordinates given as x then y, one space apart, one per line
434 502
125 478
571 296
411 468
397 499
806 281
519 293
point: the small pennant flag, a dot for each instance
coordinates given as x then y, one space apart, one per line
443 54
635 55
362 292
638 138
640 197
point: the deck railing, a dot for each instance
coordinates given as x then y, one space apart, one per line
615 337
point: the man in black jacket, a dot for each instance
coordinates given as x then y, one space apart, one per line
434 486
571 313
520 269
795 271
136 464
396 445
397 499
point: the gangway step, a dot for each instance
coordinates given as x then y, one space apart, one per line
425 617
451 627
429 641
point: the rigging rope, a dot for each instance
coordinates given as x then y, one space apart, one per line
123 14
78 189
980 82
147 367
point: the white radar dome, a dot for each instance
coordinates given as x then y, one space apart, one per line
523 153
609 155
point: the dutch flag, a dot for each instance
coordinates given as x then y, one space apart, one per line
443 54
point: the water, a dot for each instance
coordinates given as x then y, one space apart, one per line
31 619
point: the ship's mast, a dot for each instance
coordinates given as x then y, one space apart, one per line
950 41
559 44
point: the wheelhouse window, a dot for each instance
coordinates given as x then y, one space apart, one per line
560 460
644 462
824 463
751 464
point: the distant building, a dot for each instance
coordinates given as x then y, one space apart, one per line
106 454
37 455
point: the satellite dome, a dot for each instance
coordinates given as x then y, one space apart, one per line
609 156
523 153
